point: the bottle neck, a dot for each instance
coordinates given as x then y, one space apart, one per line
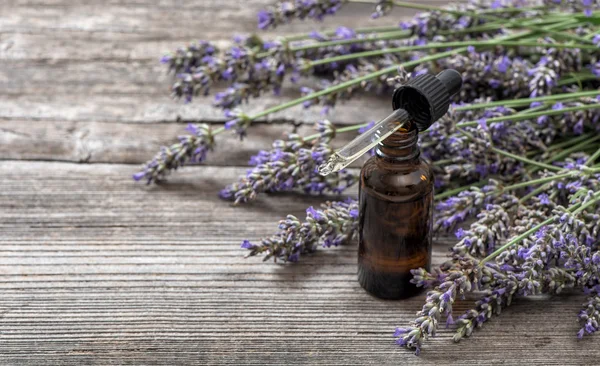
401 146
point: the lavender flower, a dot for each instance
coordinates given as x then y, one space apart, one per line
190 149
439 302
490 229
332 225
238 122
382 8
563 254
589 317
492 302
290 165
284 11
201 66
457 209
185 59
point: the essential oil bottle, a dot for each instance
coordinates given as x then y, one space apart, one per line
396 192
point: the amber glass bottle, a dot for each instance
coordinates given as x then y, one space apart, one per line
396 197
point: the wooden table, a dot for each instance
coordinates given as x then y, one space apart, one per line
96 269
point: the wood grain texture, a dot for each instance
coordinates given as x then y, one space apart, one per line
95 269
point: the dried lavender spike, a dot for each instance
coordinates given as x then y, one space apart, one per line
589 316
563 254
332 225
284 11
291 164
439 302
190 149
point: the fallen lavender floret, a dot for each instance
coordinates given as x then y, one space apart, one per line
332 225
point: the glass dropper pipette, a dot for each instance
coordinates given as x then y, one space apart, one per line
423 100
365 142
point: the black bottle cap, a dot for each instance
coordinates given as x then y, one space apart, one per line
426 97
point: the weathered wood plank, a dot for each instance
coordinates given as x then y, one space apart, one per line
140 108
128 143
97 269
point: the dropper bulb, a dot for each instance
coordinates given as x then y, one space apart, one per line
452 80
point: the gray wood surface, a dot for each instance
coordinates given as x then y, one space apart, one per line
95 269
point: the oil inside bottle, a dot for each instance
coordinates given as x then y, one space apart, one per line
395 224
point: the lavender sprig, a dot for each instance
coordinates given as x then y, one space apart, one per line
283 11
291 164
190 149
589 316
457 282
332 225
561 254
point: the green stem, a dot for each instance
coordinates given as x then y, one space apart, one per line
577 79
537 181
535 192
592 158
515 118
525 160
454 191
527 101
333 32
567 152
218 131
532 110
512 10
569 142
386 51
513 156
385 71
379 37
588 204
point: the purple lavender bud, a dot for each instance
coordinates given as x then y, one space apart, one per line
311 212
345 33
483 124
535 104
247 245
139 176
264 19
367 127
284 11
294 257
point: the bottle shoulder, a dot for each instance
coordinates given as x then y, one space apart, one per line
398 181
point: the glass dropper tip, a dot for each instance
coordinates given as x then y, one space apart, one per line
326 168
334 164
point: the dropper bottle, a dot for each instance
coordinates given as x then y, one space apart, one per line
396 187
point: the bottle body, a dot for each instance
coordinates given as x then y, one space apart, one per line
395 223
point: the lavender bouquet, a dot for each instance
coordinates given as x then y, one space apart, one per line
516 158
